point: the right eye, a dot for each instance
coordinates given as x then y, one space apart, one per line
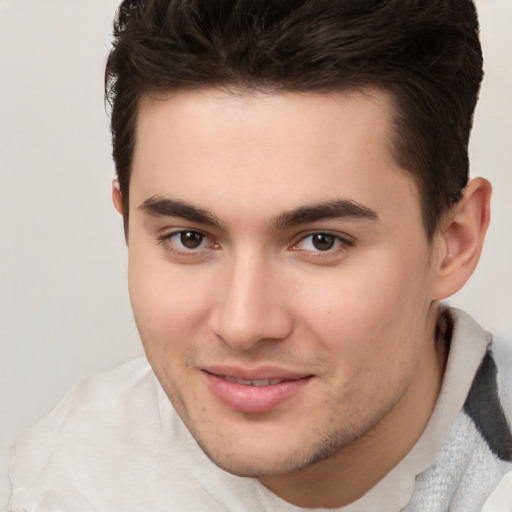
186 242
189 240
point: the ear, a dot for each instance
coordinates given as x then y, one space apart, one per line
461 237
117 198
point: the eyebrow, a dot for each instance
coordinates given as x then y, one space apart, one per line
341 208
158 206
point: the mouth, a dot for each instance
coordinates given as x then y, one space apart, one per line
254 392
256 383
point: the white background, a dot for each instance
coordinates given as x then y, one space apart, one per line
64 309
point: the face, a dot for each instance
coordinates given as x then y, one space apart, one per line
279 272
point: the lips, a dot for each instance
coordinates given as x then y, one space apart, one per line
256 391
257 383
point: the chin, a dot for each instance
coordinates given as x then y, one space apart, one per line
249 467
272 459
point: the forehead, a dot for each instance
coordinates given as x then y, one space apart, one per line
268 151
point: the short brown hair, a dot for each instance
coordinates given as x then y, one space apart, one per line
426 53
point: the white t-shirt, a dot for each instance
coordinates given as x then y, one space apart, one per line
115 443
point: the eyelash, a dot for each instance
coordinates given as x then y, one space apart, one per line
341 243
166 241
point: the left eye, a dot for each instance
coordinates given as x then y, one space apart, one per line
320 242
189 240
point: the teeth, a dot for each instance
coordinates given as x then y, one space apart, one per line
266 382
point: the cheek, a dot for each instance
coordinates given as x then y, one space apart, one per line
372 328
368 312
168 303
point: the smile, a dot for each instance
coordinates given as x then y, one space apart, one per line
254 394
257 383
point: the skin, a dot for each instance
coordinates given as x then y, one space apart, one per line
355 320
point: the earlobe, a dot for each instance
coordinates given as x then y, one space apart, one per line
461 236
117 198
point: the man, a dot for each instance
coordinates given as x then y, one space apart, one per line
293 179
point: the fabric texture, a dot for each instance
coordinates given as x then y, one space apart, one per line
115 443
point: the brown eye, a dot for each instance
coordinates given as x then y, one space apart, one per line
323 241
191 239
188 243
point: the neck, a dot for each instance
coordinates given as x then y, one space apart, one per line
357 467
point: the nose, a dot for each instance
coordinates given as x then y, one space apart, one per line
251 304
